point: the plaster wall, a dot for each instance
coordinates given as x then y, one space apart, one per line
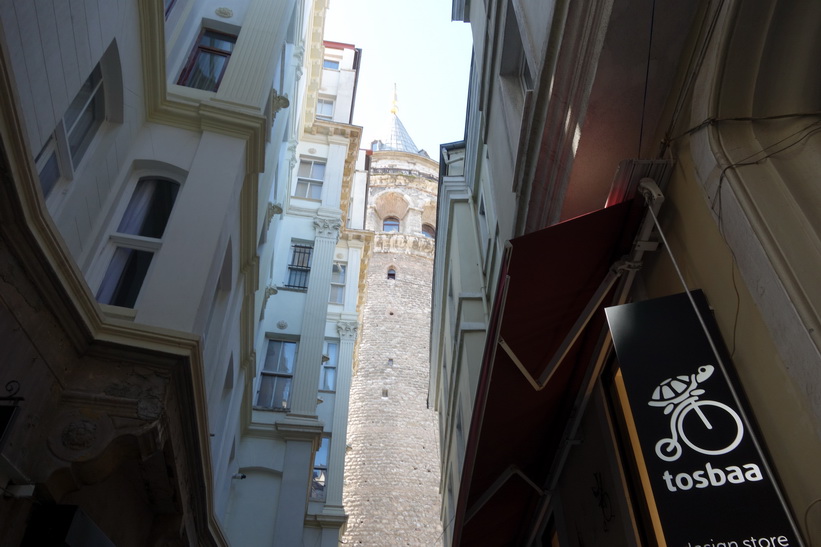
778 404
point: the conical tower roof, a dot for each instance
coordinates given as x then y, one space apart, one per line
394 136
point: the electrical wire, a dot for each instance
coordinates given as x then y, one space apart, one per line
647 74
807 519
712 121
438 540
693 69
716 204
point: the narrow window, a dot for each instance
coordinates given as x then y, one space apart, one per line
325 109
330 64
277 373
338 283
84 115
429 231
320 475
384 393
330 359
137 238
48 167
208 60
310 177
391 273
168 5
300 267
390 224
390 362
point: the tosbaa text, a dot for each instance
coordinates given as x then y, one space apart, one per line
712 476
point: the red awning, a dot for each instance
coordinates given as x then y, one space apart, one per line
549 279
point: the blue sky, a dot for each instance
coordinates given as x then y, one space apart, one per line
414 44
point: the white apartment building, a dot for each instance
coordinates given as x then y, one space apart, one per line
309 322
153 188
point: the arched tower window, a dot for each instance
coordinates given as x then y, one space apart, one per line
429 231
390 224
391 273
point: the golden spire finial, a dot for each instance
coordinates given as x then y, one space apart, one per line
395 106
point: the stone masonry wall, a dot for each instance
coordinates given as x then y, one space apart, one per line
391 489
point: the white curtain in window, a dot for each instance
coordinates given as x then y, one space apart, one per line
138 208
113 275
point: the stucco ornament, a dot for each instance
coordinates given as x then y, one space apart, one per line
225 13
327 227
347 330
79 435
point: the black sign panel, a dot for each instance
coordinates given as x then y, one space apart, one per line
708 478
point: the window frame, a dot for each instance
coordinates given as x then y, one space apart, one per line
337 295
301 252
120 238
92 94
306 185
321 113
198 48
94 100
330 367
392 220
286 376
318 488
428 231
336 64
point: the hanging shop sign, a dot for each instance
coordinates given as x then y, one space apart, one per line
710 482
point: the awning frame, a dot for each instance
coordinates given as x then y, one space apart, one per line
624 272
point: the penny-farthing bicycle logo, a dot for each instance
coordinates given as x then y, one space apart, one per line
708 427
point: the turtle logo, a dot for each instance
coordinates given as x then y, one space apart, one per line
679 396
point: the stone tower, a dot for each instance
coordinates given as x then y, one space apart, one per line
392 463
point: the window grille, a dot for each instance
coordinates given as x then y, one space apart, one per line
300 267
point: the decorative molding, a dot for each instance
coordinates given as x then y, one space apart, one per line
404 243
225 13
403 178
273 209
292 144
327 227
79 435
282 325
277 102
347 330
270 291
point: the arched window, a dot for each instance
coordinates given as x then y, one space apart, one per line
429 231
391 273
390 224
